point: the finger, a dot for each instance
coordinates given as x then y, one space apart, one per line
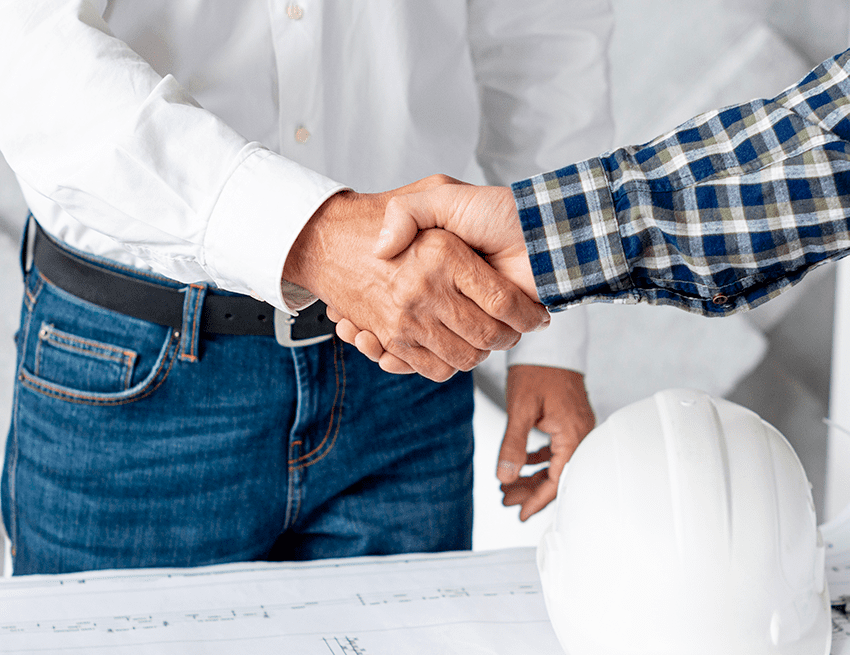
476 327
401 224
418 211
333 315
499 297
368 344
522 488
534 493
449 268
436 352
347 331
543 495
539 456
512 454
392 364
422 361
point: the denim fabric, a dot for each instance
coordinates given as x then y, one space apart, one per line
133 445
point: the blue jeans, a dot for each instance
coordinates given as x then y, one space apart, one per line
131 446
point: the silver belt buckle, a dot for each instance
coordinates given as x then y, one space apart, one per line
283 332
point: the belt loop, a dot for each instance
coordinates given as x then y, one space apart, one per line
193 305
27 241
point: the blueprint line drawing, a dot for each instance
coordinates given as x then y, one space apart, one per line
365 606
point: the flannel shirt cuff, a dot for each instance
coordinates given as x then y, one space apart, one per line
573 237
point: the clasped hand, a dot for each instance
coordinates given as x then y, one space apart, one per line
433 305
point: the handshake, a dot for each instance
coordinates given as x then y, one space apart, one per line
402 279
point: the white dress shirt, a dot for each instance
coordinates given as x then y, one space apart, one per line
197 137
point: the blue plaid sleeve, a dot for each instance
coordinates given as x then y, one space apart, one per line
719 215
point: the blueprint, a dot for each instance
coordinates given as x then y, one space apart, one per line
481 603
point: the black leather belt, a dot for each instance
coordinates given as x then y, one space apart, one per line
162 304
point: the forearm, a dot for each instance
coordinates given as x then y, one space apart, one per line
717 216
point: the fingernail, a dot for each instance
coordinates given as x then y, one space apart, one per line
383 240
505 464
543 325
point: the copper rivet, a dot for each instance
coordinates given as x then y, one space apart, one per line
720 299
302 134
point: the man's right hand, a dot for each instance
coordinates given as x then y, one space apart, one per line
485 218
438 307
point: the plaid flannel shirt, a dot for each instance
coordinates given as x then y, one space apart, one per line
719 215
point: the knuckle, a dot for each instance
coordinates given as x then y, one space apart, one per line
469 359
431 367
436 247
396 344
394 204
500 301
495 336
439 179
407 291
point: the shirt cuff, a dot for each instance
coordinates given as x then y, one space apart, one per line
572 235
261 210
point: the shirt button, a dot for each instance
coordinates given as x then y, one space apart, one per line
720 299
302 135
294 11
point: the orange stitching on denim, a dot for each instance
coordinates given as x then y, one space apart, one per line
90 348
33 296
60 337
333 409
192 355
128 379
331 423
53 392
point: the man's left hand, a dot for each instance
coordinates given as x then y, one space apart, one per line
554 401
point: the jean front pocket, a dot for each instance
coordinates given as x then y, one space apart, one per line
86 364
81 353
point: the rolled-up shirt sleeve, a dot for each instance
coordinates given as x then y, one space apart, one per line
87 123
719 215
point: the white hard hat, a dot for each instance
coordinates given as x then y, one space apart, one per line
685 526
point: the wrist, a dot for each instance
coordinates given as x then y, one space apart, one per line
311 247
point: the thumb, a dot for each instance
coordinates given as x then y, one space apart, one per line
404 217
513 455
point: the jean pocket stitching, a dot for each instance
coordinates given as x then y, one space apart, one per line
48 334
142 390
325 447
31 295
